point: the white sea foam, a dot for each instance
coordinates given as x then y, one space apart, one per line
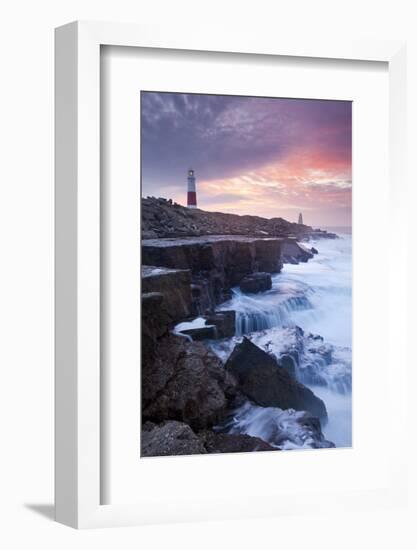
329 278
199 322
285 430
315 296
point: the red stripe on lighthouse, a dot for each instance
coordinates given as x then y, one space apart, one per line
191 198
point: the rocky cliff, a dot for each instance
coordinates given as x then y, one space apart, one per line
186 390
162 218
175 287
216 263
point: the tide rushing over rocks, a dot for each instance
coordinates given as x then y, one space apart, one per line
245 336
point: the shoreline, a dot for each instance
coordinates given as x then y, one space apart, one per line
196 398
163 218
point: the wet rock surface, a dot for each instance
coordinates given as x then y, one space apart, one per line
224 321
288 363
216 263
315 362
192 259
263 381
294 252
282 429
216 325
256 282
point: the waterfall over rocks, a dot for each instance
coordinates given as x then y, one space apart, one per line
304 318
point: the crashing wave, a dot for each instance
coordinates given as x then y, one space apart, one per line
316 363
284 430
270 309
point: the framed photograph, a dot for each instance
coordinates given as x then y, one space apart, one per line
229 222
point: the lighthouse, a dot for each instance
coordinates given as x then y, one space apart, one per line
191 192
300 218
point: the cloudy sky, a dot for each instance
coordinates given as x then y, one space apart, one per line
268 157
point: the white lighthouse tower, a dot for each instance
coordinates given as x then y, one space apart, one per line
191 192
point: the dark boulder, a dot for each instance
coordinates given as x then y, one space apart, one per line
293 252
170 438
208 332
287 362
314 250
262 380
218 325
256 282
175 287
185 381
224 321
233 443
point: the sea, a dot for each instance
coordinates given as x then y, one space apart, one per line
316 297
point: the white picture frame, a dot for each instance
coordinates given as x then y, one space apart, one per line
78 405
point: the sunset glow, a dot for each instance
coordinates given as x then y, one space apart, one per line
259 156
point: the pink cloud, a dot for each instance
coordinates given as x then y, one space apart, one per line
307 180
